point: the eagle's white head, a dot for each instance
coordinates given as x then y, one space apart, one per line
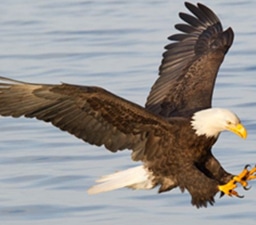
210 122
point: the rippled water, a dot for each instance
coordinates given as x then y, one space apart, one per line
44 173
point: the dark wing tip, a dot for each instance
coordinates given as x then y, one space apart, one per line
228 35
200 34
201 18
202 29
202 12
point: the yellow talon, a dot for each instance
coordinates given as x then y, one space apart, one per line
245 176
228 189
242 178
252 174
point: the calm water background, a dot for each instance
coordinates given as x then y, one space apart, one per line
44 173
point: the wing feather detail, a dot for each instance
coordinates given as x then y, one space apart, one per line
90 113
190 64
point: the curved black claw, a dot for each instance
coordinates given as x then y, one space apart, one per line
222 194
247 166
240 196
247 188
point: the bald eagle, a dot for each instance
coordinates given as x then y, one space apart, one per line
172 136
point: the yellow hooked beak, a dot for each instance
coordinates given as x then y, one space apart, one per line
238 130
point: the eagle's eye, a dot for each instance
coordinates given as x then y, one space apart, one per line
229 123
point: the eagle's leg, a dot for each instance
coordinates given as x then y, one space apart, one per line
214 170
242 178
201 187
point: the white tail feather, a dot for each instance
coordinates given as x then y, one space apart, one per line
137 178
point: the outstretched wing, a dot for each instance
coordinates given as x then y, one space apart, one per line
89 113
190 64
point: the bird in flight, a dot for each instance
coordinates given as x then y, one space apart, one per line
172 135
